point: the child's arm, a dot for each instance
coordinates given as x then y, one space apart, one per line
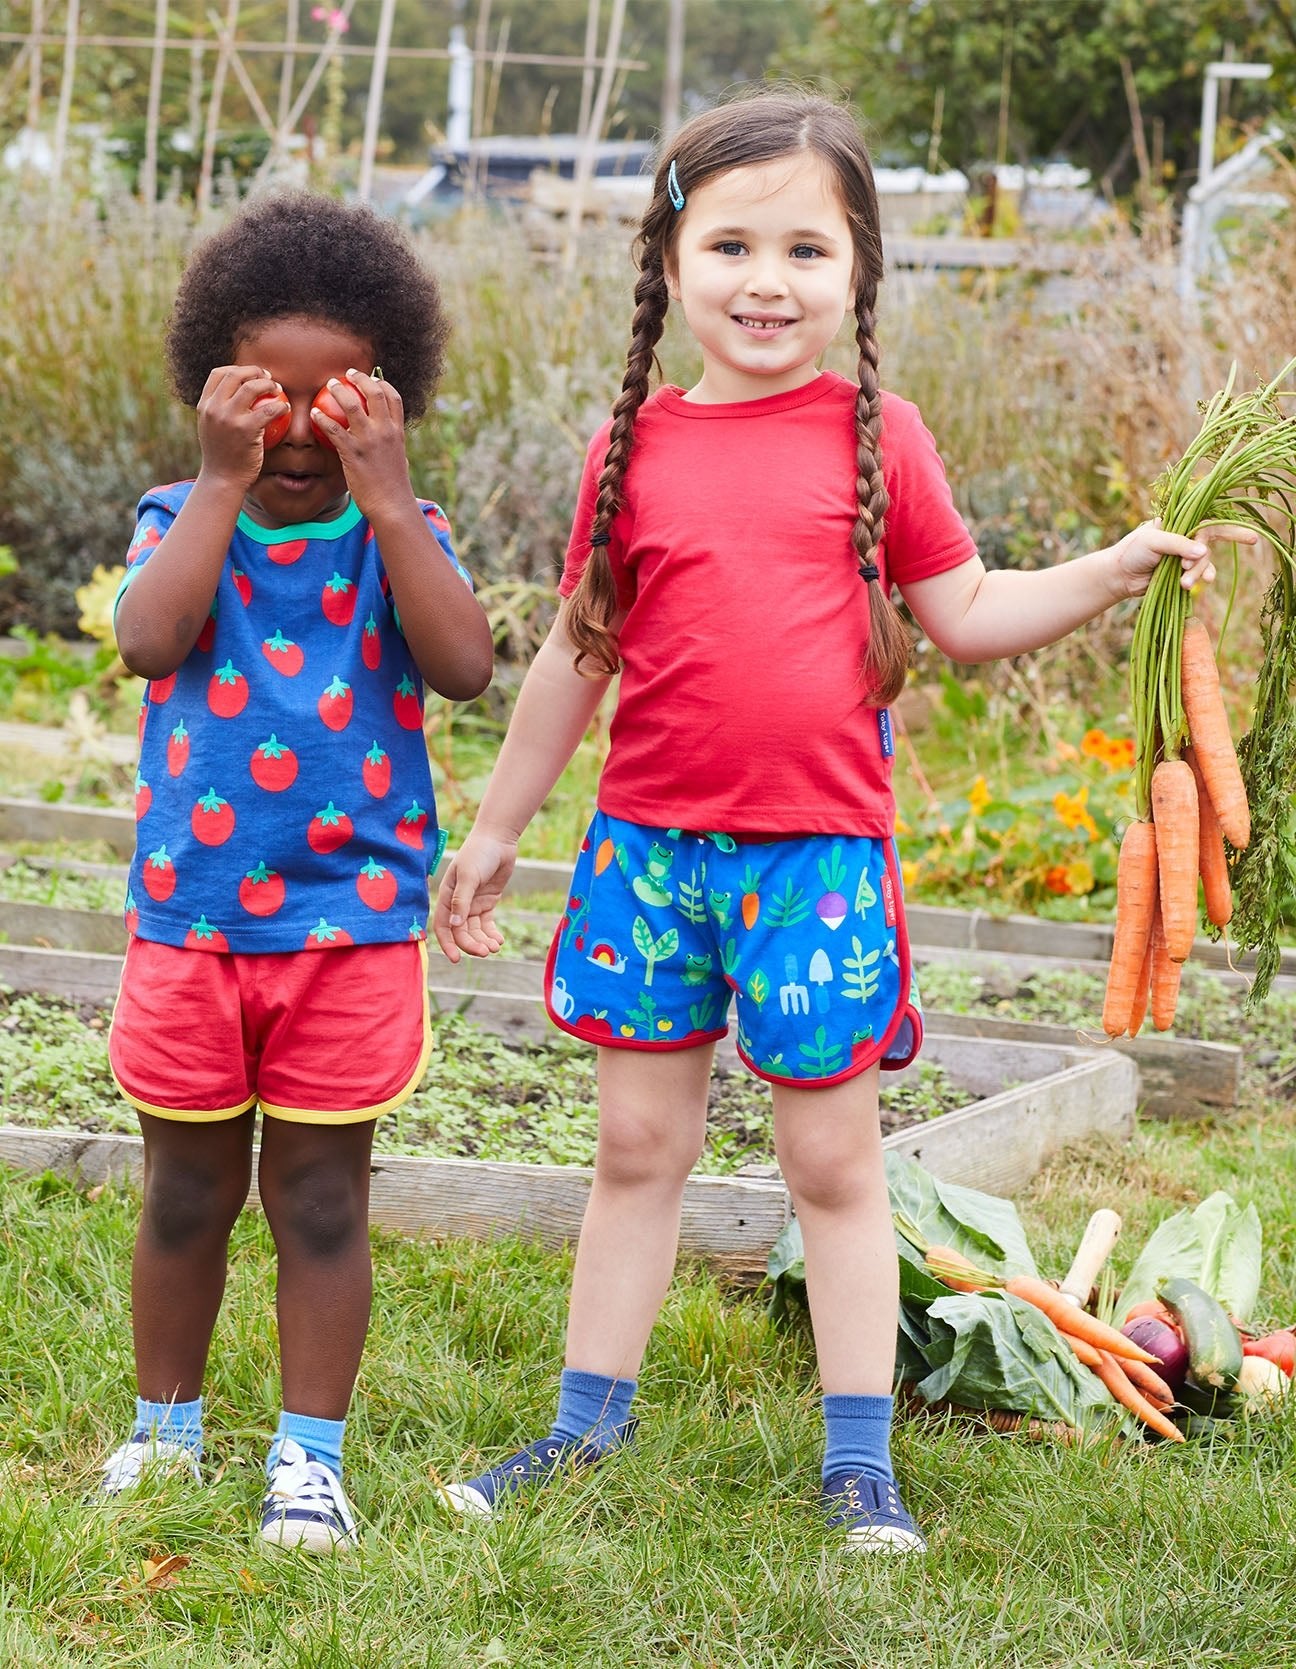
167 602
971 614
444 624
553 711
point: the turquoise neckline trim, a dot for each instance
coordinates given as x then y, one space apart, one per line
333 529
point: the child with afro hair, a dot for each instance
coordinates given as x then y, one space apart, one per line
286 606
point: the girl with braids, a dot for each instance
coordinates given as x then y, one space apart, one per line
732 556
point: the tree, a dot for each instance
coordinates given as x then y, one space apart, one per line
1033 79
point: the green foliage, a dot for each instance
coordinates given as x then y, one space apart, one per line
1058 65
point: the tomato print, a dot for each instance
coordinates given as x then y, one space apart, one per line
284 655
292 550
371 645
335 705
227 692
243 585
322 936
337 600
261 891
329 830
143 796
159 689
212 819
273 765
411 826
203 936
159 875
407 706
177 750
377 772
376 886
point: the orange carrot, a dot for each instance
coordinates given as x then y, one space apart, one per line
1211 861
1070 1318
1150 1382
1165 979
1114 1377
1208 727
603 857
954 1269
1085 1353
1139 1012
1174 811
1136 882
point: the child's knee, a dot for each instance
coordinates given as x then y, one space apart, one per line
184 1204
318 1211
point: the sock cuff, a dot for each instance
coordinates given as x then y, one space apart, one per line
597 1384
840 1407
173 1422
309 1425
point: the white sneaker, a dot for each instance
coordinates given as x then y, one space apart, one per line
145 1456
305 1505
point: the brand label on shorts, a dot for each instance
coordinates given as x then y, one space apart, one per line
886 735
888 898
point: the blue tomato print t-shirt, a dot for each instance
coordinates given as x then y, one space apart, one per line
284 798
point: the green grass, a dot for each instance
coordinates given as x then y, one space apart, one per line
702 1547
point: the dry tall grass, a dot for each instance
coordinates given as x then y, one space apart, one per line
1055 410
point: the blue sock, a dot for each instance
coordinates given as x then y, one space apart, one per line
857 1436
321 1439
172 1422
592 1406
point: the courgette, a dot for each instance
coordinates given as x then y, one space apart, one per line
1205 1401
1214 1345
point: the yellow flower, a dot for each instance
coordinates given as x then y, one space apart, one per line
979 796
908 872
1080 877
902 827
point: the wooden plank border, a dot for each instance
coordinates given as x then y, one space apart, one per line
998 1144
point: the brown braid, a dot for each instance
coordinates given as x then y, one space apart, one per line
886 655
593 605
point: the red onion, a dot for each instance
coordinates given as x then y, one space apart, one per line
1165 1344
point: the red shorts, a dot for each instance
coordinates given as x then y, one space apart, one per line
333 1037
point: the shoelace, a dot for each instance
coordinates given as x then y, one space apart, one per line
306 1484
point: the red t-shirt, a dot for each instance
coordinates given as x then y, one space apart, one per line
741 706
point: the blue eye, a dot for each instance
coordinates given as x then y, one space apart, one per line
730 246
806 250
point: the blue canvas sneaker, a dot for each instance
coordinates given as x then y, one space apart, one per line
871 1513
305 1506
538 1463
144 1458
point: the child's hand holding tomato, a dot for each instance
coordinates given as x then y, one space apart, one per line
369 438
238 405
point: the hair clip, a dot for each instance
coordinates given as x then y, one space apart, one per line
869 571
600 538
673 187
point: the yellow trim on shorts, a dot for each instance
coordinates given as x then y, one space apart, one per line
182 1115
362 1115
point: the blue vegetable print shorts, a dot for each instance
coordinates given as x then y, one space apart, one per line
806 936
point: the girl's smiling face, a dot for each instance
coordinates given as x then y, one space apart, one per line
763 269
300 480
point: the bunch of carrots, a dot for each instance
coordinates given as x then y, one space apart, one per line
1127 1370
1197 796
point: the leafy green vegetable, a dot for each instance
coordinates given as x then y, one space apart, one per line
983 1227
1217 1245
998 1352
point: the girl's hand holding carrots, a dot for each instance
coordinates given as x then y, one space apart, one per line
1138 555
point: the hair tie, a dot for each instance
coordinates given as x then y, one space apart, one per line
600 538
673 190
870 571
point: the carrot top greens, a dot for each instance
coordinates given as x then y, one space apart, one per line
1240 469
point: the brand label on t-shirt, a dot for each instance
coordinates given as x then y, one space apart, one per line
886 736
888 898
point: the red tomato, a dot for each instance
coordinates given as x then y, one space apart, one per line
376 771
376 886
212 819
329 406
335 705
273 766
1279 1347
328 830
277 427
323 935
261 891
159 876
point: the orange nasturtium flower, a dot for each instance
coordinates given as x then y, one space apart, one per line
1094 744
1073 812
1057 879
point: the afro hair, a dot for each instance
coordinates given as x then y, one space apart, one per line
300 254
